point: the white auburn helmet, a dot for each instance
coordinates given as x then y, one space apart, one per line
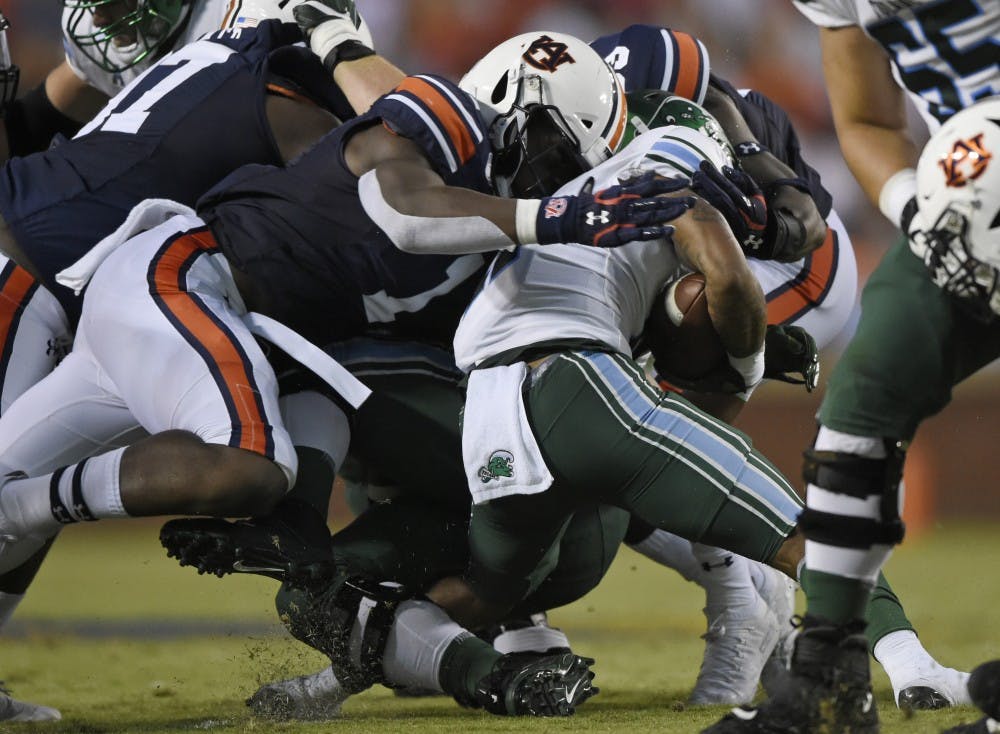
957 227
554 108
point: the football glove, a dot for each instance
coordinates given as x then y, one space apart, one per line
739 377
631 211
739 199
335 29
790 355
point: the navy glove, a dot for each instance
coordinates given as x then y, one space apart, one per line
631 211
790 351
739 199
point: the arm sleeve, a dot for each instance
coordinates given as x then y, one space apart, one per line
828 13
32 121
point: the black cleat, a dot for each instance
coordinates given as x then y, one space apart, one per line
551 685
828 689
984 689
922 698
292 544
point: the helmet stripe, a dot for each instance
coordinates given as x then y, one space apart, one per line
619 116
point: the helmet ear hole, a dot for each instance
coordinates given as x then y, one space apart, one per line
587 123
500 90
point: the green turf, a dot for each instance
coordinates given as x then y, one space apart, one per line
642 625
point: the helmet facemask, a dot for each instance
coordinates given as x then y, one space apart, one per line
945 251
137 29
534 149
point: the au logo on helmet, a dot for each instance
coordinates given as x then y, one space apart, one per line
966 162
547 54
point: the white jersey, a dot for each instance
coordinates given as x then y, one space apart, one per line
561 293
207 16
945 54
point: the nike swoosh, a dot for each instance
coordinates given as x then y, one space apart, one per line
240 566
570 692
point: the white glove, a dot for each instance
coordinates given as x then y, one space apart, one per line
335 29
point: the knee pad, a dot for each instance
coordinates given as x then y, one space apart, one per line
875 482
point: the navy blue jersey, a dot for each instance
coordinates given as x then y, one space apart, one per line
651 57
174 132
311 257
771 126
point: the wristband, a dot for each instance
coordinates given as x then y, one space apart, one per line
525 220
896 194
347 51
751 368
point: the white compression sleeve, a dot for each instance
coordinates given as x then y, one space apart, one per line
429 235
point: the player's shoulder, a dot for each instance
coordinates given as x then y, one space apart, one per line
441 118
657 57
832 13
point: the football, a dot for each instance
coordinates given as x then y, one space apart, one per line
679 331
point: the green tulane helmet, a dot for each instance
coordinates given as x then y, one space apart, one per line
118 34
652 108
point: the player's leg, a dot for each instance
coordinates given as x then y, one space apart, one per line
34 335
158 325
912 345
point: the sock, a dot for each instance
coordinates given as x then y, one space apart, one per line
535 638
88 490
419 640
465 662
672 551
885 614
901 651
838 580
725 577
314 479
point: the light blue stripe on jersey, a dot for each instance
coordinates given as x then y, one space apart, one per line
727 458
678 151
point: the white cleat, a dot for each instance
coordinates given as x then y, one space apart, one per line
738 643
918 680
778 591
315 697
13 710
931 686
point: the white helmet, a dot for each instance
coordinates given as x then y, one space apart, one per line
957 228
555 109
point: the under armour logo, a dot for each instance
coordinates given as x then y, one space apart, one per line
61 514
748 148
726 563
546 54
603 218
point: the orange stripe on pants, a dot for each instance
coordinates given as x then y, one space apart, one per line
810 290
13 298
225 360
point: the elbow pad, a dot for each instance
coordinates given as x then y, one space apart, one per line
429 235
32 121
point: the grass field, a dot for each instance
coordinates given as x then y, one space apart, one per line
122 640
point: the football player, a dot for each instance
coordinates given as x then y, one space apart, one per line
914 342
269 101
809 276
353 226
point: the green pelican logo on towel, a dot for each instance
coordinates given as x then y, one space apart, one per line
500 464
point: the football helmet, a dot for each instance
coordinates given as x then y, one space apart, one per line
652 108
957 227
118 34
554 109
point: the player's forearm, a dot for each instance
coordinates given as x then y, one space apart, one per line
735 300
874 153
430 218
71 95
366 79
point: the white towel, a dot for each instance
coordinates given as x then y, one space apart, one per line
309 355
146 215
499 450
